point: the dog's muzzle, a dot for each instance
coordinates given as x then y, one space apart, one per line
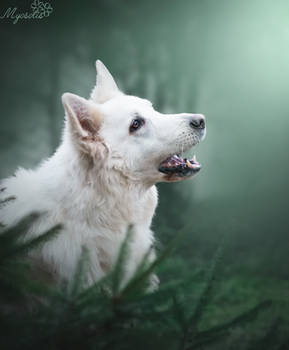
177 167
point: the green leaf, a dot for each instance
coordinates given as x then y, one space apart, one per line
80 276
206 294
119 269
138 280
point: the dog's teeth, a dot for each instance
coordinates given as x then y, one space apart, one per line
189 164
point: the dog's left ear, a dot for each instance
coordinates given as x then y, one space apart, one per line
83 115
83 121
105 87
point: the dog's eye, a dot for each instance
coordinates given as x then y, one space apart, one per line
136 124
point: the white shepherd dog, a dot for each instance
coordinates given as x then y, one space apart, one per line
101 180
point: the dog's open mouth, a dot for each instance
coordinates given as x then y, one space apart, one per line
176 166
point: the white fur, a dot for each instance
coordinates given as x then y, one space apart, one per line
100 180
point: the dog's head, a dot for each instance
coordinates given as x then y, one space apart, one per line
125 133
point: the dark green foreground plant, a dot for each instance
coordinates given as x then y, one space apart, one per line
109 315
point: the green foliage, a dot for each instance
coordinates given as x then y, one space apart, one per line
15 278
112 314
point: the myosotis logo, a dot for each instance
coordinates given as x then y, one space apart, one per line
39 10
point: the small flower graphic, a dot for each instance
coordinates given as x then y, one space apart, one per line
43 9
46 9
36 4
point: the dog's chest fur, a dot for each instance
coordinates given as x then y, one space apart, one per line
94 214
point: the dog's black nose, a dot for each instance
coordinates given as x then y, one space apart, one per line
198 121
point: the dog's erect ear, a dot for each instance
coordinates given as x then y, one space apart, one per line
105 87
84 118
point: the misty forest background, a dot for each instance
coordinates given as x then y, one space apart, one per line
226 59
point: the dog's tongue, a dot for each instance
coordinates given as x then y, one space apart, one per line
180 166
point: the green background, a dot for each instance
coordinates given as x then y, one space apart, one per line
227 59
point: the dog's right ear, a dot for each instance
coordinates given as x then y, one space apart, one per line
105 87
83 122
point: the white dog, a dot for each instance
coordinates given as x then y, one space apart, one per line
101 180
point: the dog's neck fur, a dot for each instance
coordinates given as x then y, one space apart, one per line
83 187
